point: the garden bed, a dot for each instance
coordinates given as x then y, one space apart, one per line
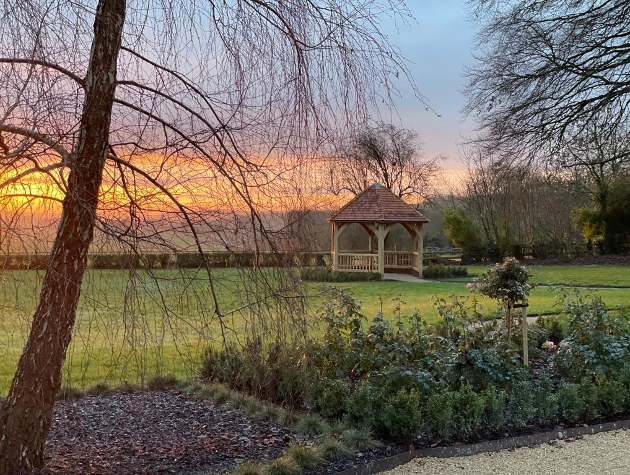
161 432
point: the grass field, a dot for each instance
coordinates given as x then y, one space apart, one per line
130 328
382 296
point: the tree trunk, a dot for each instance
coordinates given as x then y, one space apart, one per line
26 415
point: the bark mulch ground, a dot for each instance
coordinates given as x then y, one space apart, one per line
157 432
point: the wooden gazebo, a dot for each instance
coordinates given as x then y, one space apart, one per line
378 210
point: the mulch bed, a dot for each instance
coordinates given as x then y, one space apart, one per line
156 432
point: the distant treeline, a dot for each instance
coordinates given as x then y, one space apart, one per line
181 260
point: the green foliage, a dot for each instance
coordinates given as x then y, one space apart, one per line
310 424
400 416
465 414
468 410
493 410
282 466
332 449
611 398
475 352
597 343
555 327
331 402
396 416
361 407
324 274
279 373
461 379
460 229
544 400
608 223
440 416
441 271
570 402
520 405
359 439
304 456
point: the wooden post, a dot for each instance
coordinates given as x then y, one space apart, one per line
334 244
381 233
525 345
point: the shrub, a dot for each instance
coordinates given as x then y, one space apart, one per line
545 401
507 282
222 365
468 410
400 416
611 398
441 271
440 415
520 406
493 410
570 403
324 274
588 394
360 410
597 344
279 374
331 402
304 456
465 414
557 330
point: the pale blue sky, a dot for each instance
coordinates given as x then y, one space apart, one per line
438 48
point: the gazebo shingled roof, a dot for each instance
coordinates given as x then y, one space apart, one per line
377 204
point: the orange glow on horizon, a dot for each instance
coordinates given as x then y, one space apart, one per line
191 183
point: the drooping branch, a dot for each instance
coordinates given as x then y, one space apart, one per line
46 64
38 137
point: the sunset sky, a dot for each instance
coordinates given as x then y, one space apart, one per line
437 47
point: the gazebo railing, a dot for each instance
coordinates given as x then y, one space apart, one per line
399 259
368 262
357 262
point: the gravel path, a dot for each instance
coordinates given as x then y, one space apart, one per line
607 453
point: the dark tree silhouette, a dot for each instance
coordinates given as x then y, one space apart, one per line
386 154
545 69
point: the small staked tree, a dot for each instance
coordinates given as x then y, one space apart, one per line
507 282
151 120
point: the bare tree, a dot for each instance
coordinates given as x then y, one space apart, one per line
140 113
545 69
386 154
510 204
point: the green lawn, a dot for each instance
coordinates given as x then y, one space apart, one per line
588 276
130 329
380 296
